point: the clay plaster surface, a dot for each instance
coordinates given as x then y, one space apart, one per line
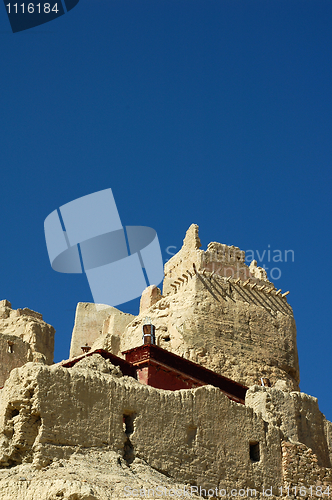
24 336
97 322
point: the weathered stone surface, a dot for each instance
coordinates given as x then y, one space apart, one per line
98 364
87 475
5 308
24 336
97 322
194 436
244 330
302 475
14 352
222 260
150 296
189 255
240 334
328 436
296 414
257 272
86 432
88 419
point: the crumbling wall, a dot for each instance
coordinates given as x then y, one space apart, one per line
149 297
24 336
240 333
215 311
303 477
97 322
222 260
197 437
30 327
194 436
296 414
14 352
328 436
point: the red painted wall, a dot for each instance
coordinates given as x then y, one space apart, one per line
160 378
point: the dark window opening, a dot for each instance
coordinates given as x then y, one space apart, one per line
128 421
191 435
128 427
254 451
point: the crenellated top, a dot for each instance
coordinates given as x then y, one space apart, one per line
219 259
223 253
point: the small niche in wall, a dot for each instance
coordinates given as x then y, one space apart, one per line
128 427
254 451
191 435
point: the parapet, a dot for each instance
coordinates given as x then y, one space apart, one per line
219 259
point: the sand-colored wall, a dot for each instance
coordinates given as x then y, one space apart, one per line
296 414
197 436
97 322
242 334
24 336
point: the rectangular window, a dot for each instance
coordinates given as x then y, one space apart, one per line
254 451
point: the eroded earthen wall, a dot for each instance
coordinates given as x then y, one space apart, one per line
296 414
197 436
24 336
303 477
215 311
97 322
14 352
241 333
222 260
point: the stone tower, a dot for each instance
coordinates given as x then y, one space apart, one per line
219 312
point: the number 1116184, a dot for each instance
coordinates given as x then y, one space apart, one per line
31 8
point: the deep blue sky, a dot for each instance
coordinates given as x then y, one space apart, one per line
215 112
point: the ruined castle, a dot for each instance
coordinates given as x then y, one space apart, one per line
89 428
